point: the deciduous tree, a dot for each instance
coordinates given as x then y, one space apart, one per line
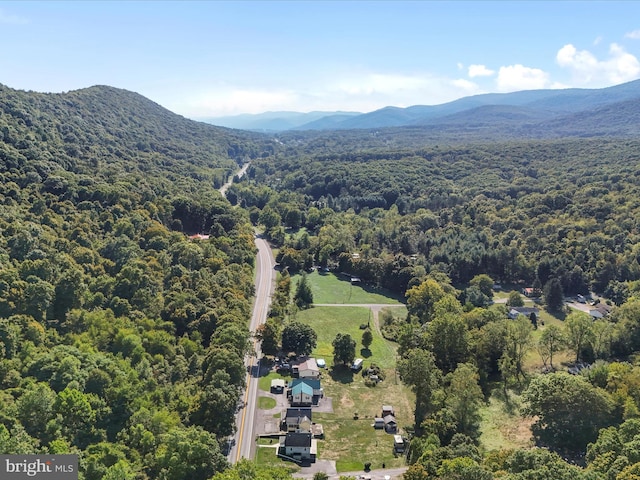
344 348
578 331
551 342
569 410
418 370
299 338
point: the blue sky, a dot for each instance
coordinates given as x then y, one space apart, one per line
216 58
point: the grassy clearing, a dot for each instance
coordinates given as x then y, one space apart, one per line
328 321
352 442
533 361
266 403
328 287
502 426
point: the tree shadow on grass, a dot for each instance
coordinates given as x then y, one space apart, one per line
506 397
365 353
346 278
342 374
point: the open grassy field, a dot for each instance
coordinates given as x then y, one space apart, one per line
351 442
329 321
502 426
348 441
329 287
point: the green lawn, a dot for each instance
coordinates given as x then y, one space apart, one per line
264 383
328 287
266 456
352 442
328 321
266 403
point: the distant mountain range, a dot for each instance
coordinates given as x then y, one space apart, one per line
571 111
280 121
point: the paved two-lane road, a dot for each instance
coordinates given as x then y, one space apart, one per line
244 444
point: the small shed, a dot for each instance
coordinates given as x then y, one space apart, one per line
398 443
277 385
378 423
387 410
390 424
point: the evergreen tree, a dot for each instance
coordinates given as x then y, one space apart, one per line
367 338
553 295
304 296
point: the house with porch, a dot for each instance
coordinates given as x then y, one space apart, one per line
299 446
297 419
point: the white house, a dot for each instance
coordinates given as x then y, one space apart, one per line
299 446
526 311
306 369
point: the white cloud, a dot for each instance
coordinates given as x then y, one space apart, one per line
348 90
597 40
480 71
518 77
467 87
377 83
232 101
635 35
8 18
587 70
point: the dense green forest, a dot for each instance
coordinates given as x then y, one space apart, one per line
441 223
122 339
520 211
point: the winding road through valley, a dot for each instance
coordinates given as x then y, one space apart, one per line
242 445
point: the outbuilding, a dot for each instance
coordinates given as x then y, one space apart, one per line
357 364
398 443
390 424
277 385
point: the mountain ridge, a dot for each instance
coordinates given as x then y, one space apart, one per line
543 104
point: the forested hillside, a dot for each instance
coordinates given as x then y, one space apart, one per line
518 211
120 338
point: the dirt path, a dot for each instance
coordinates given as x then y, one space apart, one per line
374 307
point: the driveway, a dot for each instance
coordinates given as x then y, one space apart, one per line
329 467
